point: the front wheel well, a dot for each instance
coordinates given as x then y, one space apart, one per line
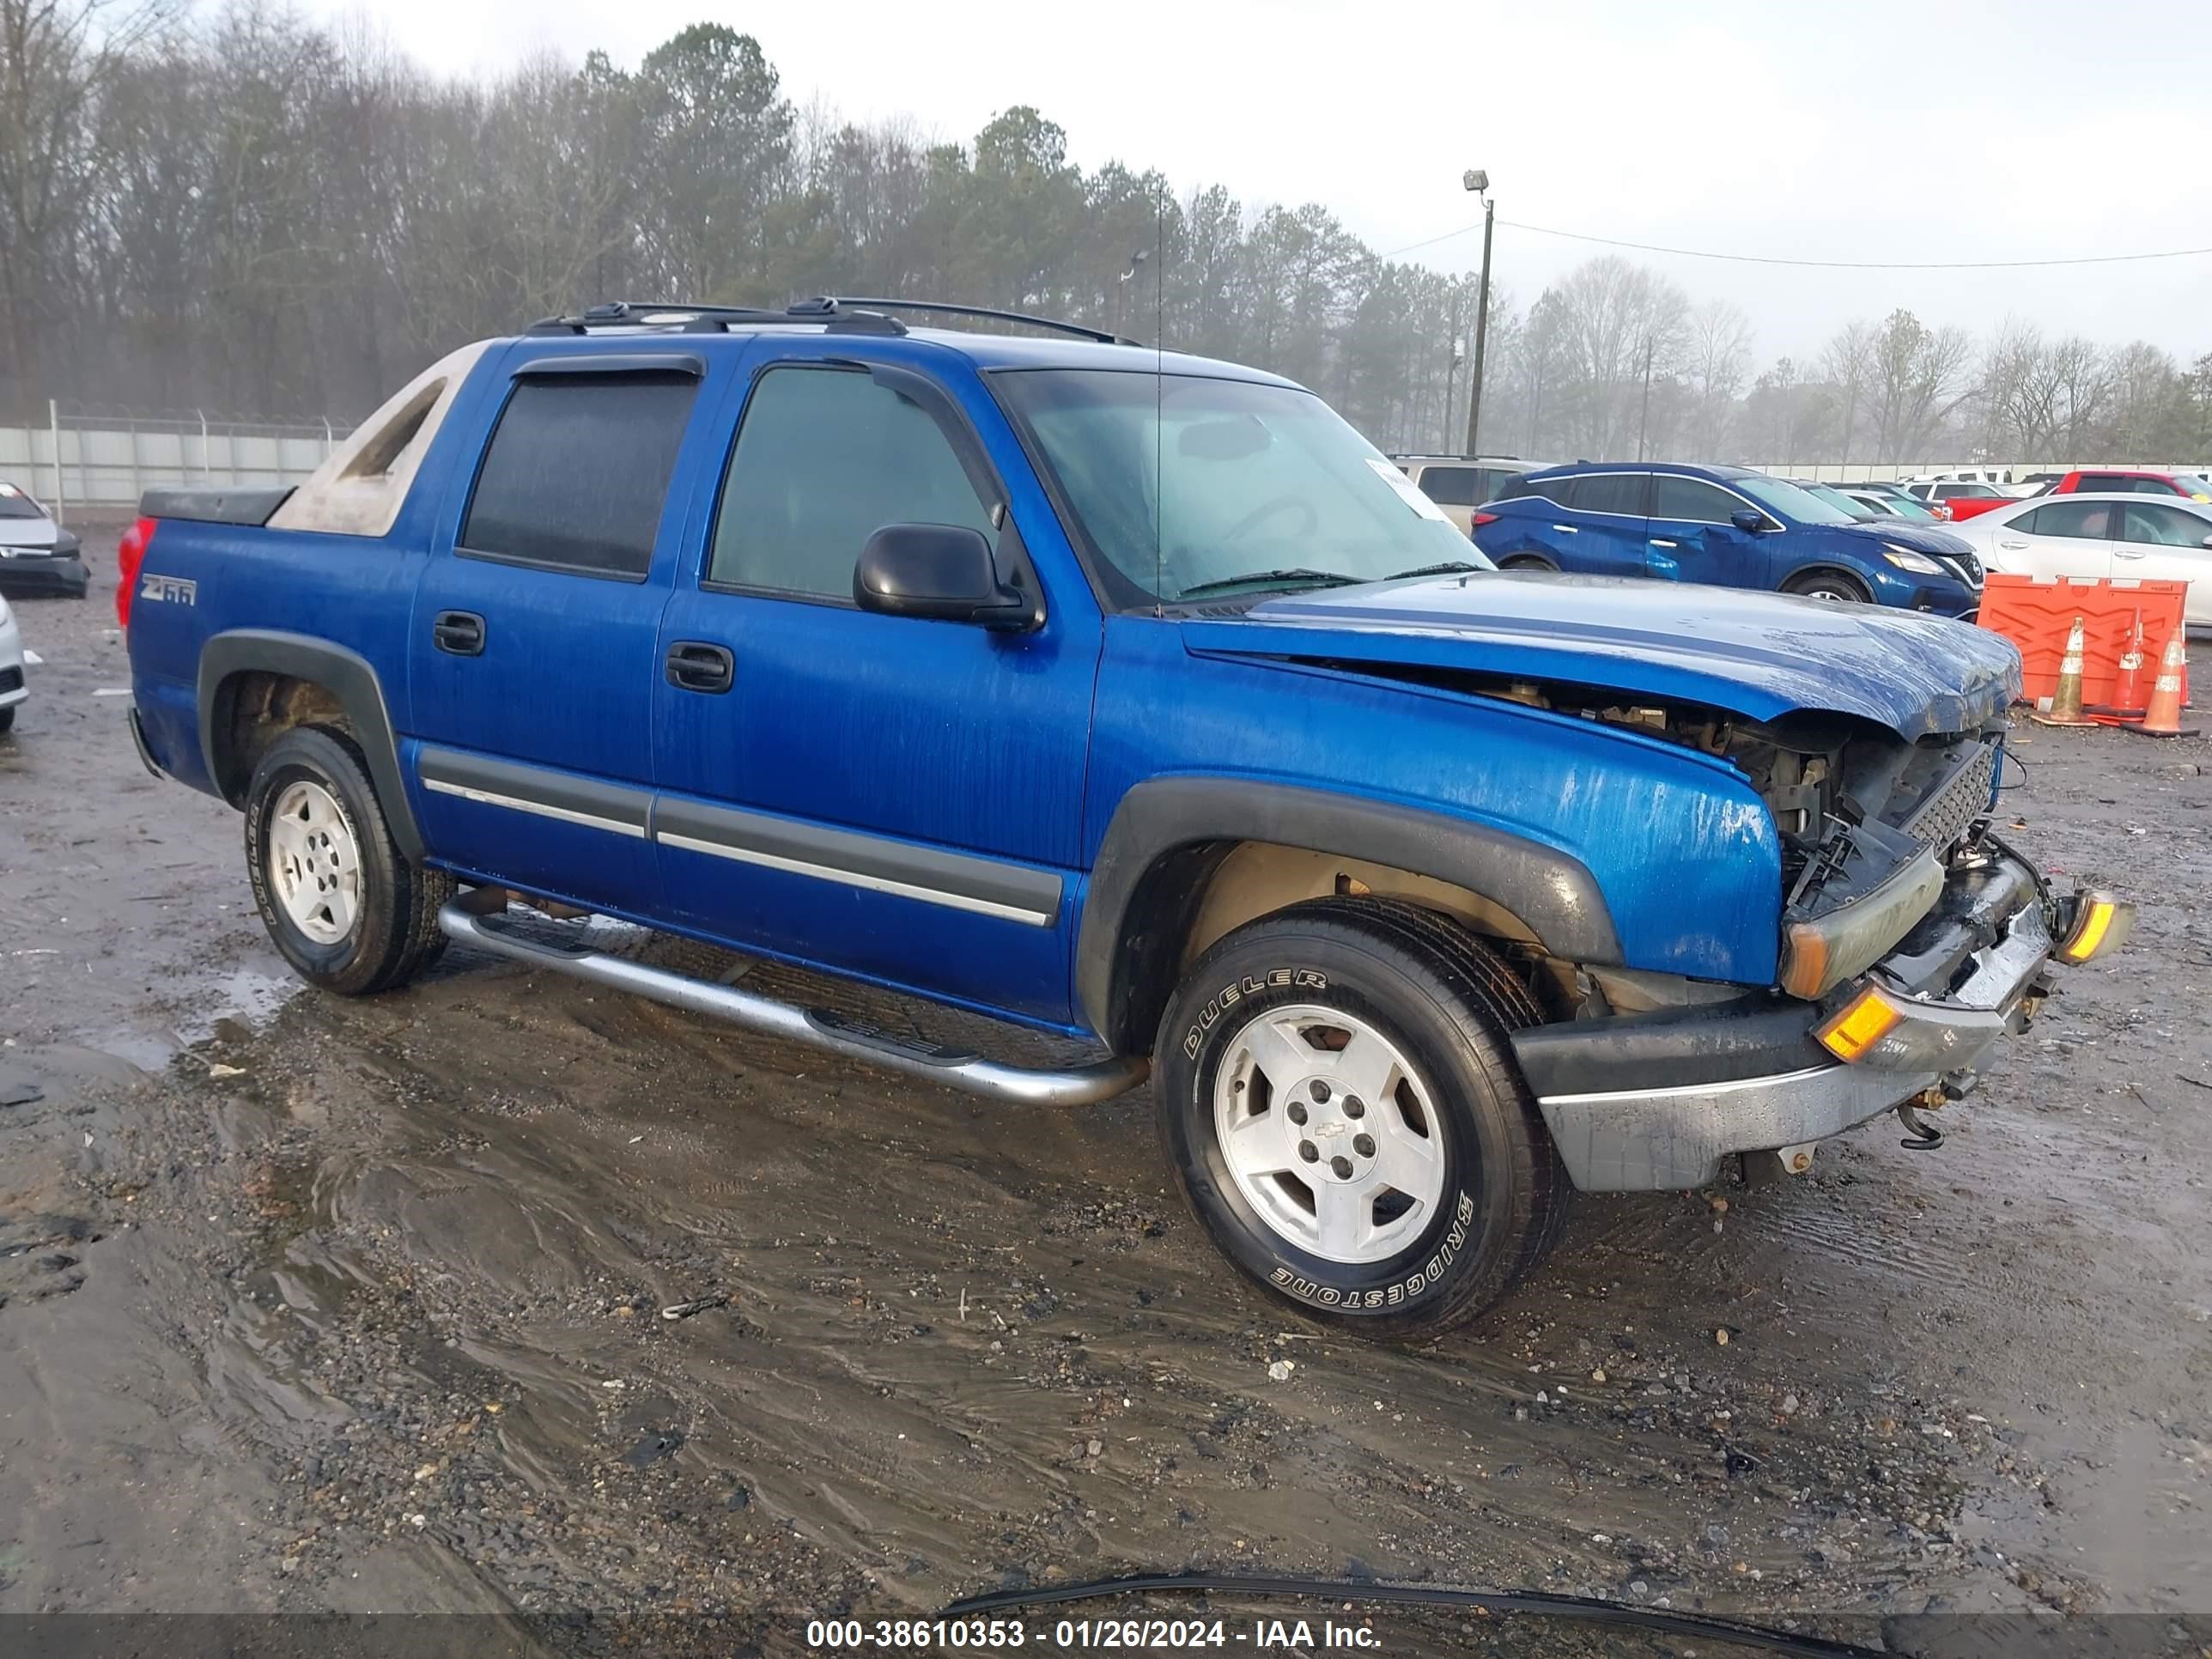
1193 896
1813 576
253 707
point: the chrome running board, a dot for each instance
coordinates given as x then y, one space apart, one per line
1073 1086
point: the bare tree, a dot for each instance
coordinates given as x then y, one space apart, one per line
1717 361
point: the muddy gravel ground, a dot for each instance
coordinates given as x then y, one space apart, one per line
317 1306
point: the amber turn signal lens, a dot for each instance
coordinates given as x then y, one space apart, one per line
1859 1024
2102 923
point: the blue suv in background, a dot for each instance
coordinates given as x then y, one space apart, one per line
1725 525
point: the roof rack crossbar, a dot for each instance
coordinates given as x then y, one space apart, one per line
716 319
1080 329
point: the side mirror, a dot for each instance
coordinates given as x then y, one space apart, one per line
941 571
1746 520
2207 542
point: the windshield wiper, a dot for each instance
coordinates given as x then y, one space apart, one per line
1448 567
1298 574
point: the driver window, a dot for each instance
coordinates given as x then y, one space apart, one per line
825 457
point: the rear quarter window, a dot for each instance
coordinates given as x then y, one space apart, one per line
1450 486
577 471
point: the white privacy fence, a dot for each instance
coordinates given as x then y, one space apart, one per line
1860 472
76 463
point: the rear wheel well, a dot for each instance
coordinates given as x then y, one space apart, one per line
1194 895
253 709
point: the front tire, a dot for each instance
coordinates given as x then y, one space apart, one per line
342 904
1832 586
1339 1099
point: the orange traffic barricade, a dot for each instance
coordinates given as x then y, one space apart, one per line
2038 613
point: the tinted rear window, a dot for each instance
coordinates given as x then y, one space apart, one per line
1619 493
577 471
1450 486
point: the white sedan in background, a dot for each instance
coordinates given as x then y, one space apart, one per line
2155 538
13 690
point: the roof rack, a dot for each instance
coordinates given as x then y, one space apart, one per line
1081 330
836 314
692 318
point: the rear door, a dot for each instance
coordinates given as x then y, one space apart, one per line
1693 536
2167 544
2063 537
1600 531
532 647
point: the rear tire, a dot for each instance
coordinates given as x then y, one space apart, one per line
1338 1097
1527 563
341 902
1830 585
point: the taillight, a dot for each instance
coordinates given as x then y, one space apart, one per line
1481 519
130 554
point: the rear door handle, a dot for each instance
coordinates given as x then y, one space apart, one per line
695 666
461 633
1567 530
2123 553
2016 547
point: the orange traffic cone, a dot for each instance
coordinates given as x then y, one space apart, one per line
2163 717
2066 701
2127 704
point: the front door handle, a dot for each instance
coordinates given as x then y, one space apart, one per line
1567 530
1660 541
461 633
695 666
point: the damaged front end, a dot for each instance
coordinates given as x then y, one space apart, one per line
1913 937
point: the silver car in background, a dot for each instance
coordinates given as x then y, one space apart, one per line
37 556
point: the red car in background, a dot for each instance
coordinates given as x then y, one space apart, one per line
2131 481
1958 500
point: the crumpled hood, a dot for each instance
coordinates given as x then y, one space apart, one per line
1760 655
1909 532
27 533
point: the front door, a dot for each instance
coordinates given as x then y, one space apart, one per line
2061 537
890 797
1693 536
2162 542
535 627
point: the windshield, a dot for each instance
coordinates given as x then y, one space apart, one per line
15 504
1902 506
2189 483
1182 483
1789 500
1841 502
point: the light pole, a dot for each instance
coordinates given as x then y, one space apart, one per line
1476 180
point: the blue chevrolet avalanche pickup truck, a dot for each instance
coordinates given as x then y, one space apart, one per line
1128 696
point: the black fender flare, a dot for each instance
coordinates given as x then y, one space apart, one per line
1175 830
346 675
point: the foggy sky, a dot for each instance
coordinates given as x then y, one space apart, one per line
1879 131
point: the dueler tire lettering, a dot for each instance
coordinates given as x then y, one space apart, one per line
1446 1003
1247 985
